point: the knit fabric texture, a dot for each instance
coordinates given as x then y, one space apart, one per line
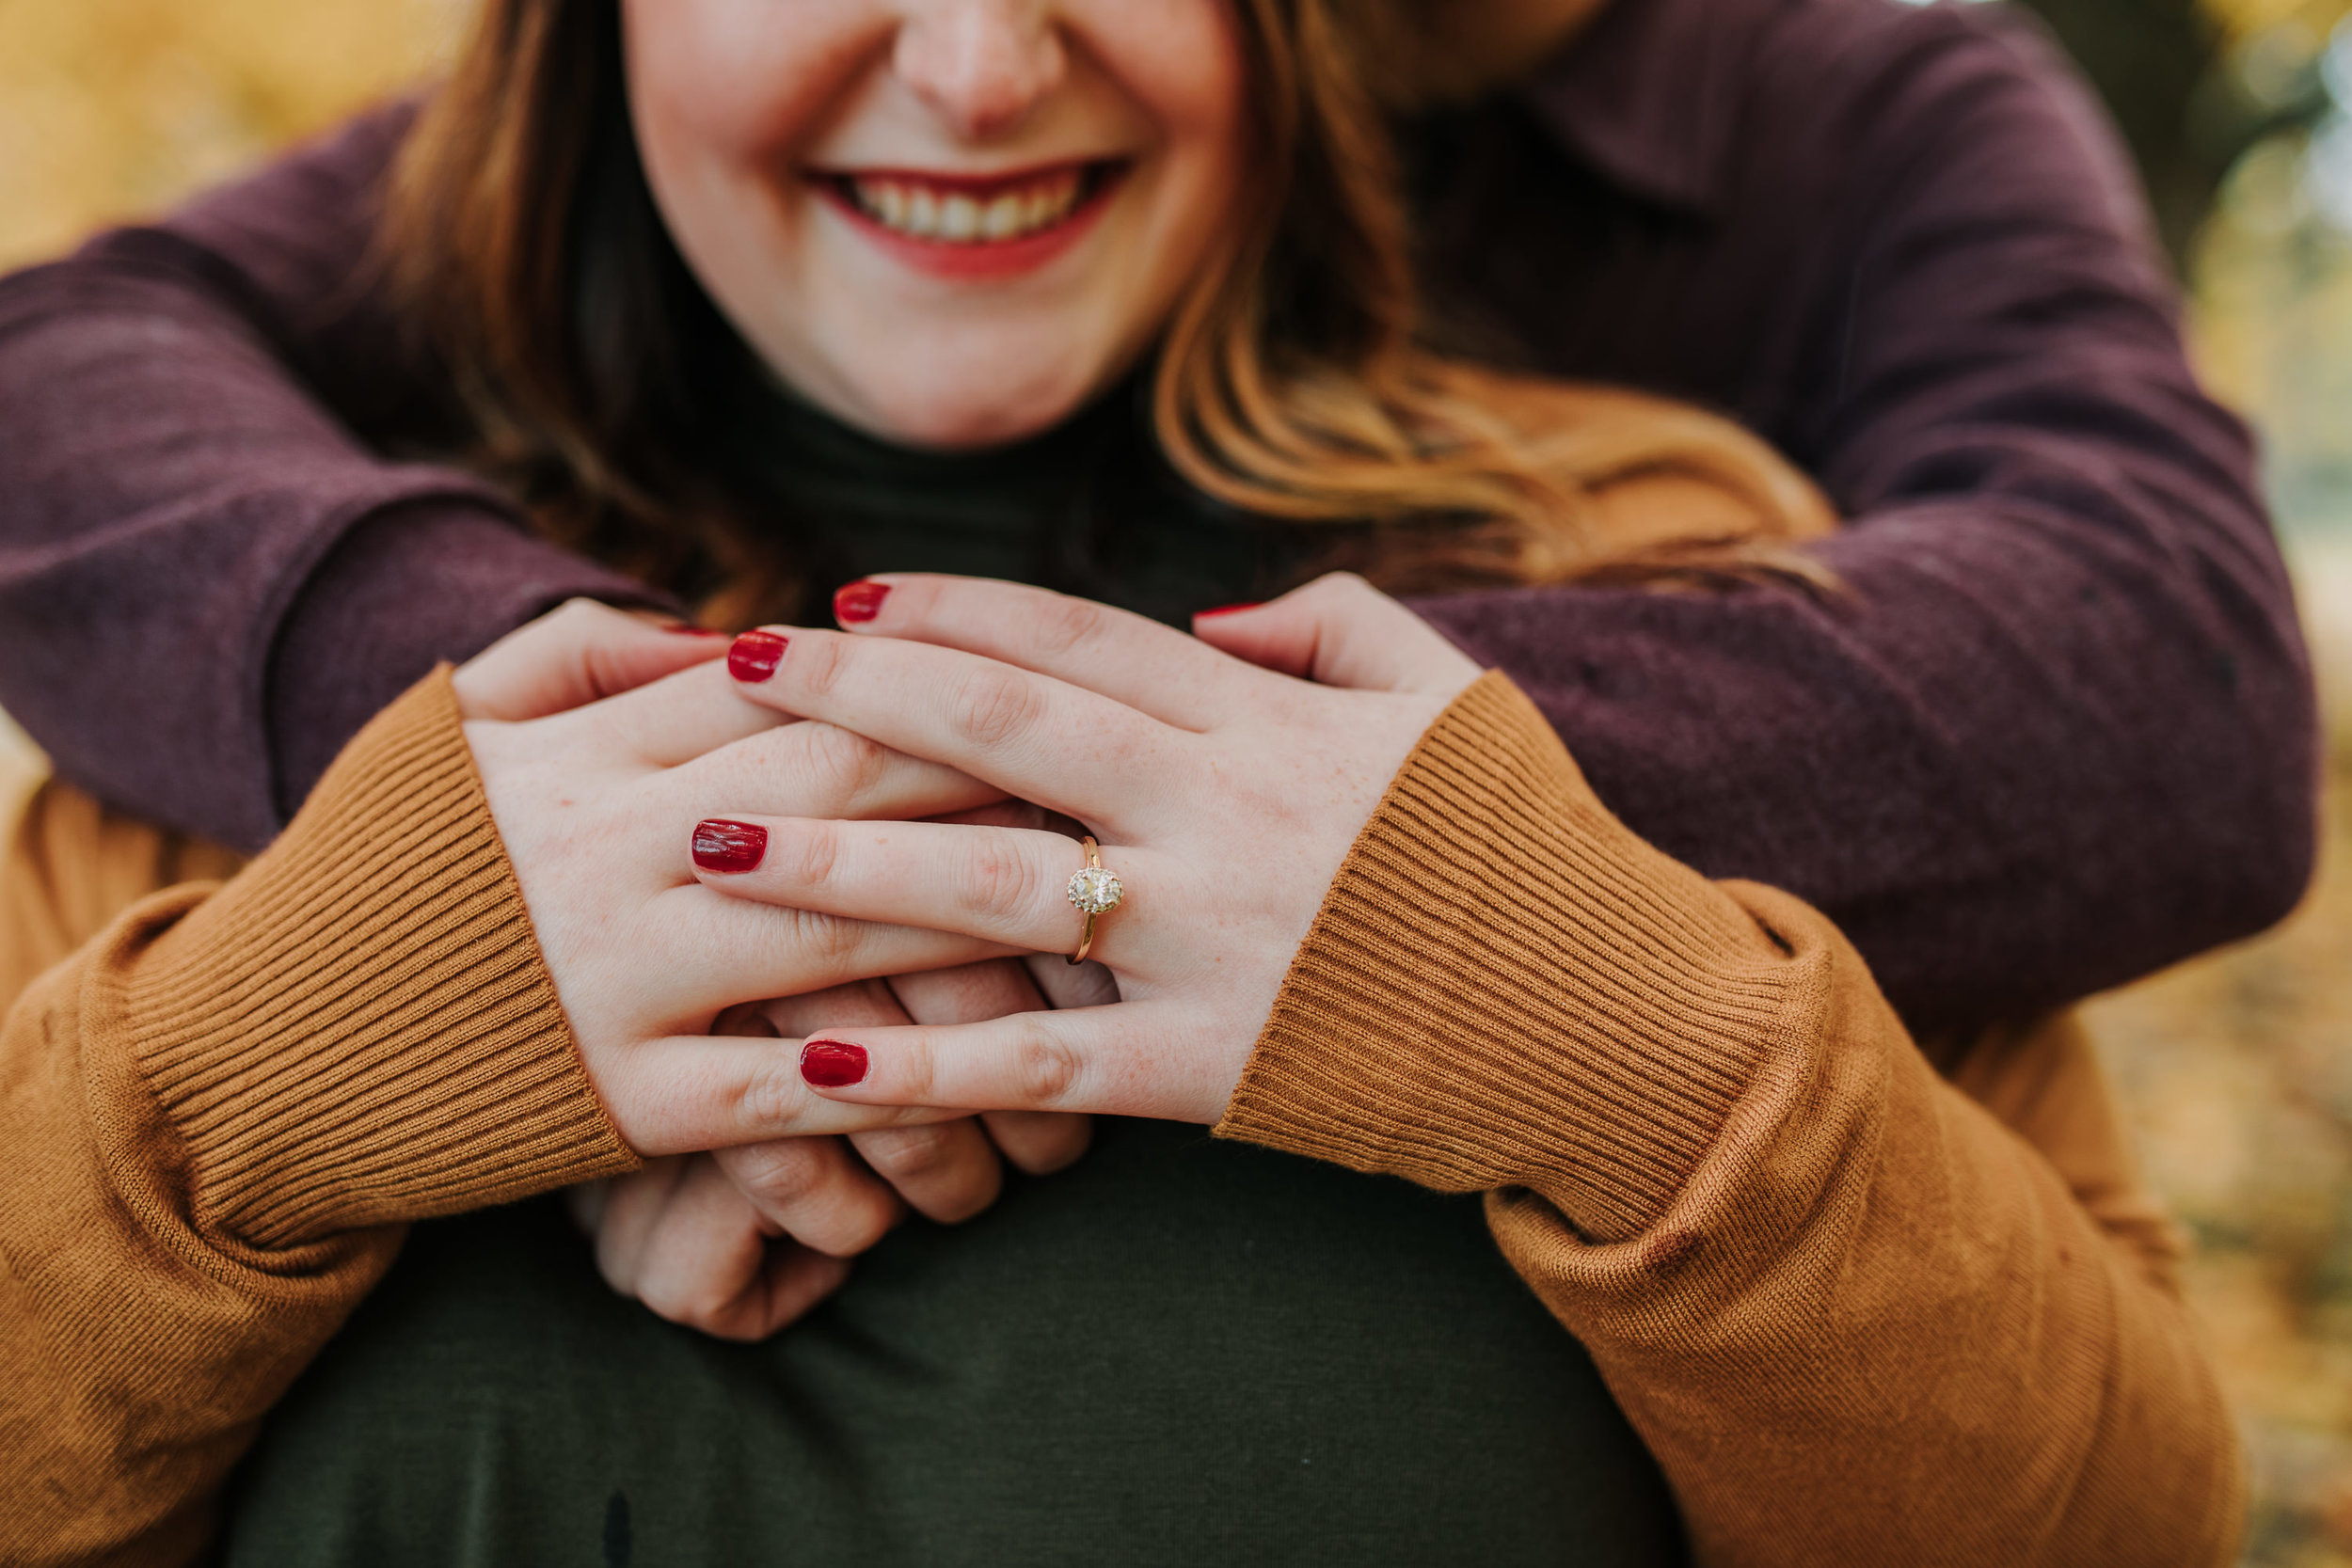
1857 1314
222 1108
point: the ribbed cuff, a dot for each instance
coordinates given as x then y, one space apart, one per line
359 1029
1505 987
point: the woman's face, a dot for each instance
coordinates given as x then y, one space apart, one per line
947 222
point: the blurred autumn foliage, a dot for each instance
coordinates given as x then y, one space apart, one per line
112 107
2236 1068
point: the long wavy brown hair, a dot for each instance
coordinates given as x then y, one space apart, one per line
1292 380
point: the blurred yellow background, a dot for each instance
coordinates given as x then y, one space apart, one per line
112 107
2237 1067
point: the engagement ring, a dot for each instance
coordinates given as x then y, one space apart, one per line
1095 891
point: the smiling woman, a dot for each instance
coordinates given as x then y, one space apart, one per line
1729 1227
1234 196
746 123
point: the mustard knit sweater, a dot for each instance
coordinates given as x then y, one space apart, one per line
1861 1312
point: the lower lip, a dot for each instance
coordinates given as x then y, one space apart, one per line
989 261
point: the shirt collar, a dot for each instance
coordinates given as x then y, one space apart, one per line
1649 96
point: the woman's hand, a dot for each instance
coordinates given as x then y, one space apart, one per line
690 1234
741 1242
1225 796
644 960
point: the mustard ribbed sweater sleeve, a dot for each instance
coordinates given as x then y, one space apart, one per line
218 1115
1857 1317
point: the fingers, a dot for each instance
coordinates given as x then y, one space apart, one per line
964 994
680 1238
1122 655
575 655
811 770
1041 739
1002 886
1340 630
691 1093
815 1190
947 1171
1039 1142
673 720
1069 986
625 1222
837 1006
1108 1061
715 950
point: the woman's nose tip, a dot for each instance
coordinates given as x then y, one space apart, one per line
983 65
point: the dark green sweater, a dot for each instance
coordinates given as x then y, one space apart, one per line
1179 1351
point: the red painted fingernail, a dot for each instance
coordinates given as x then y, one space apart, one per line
1229 608
733 848
857 602
755 656
686 628
833 1063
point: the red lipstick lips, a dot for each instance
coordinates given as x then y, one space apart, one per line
975 228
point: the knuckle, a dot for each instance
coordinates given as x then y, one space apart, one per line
1043 1068
805 856
996 884
664 1298
770 1098
831 941
1341 586
821 946
692 1303
858 1231
786 1171
910 1153
918 1077
845 765
1040 1141
576 613
819 661
1062 624
994 707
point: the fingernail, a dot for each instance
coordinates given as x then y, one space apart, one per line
733 848
1227 609
858 602
754 656
833 1063
686 628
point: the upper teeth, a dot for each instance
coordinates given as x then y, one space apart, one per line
957 217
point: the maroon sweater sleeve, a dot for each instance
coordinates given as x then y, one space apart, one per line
209 580
2060 730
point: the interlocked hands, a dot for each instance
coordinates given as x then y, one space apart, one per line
1226 775
593 732
889 856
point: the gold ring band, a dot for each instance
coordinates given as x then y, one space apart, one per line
1095 891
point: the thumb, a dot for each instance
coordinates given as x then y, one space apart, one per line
1340 630
575 654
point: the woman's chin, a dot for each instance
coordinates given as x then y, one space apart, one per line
977 426
960 413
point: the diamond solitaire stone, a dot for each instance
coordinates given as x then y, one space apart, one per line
1095 891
